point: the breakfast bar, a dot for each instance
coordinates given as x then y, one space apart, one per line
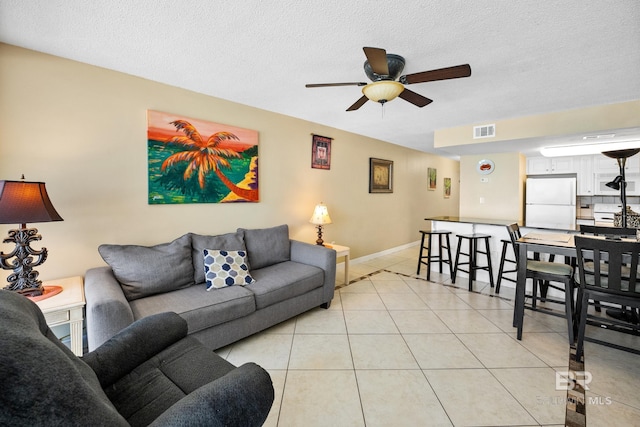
496 228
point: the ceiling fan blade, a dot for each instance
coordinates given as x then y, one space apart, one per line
359 103
415 98
377 60
454 72
335 84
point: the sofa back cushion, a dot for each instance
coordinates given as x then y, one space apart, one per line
267 246
227 242
149 270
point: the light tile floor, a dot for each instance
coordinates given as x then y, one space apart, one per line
396 350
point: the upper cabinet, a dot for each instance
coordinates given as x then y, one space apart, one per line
544 165
586 168
604 164
585 175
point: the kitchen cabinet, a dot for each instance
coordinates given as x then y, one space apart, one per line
604 164
545 165
585 174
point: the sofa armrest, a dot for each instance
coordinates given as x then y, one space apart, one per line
134 345
243 397
108 310
318 256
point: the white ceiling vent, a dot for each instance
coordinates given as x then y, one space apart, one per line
484 131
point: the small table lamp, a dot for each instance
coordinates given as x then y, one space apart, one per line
320 217
22 202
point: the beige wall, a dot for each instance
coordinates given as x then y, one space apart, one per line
82 130
597 118
503 191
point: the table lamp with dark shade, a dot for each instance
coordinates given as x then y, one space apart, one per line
23 202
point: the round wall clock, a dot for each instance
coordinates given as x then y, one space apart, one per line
485 167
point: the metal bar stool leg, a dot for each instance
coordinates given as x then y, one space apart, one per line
429 258
489 265
420 256
455 268
450 262
473 254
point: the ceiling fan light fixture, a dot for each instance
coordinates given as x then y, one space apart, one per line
383 91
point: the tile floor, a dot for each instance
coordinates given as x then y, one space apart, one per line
396 350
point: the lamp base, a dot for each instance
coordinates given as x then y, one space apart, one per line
319 242
49 291
24 278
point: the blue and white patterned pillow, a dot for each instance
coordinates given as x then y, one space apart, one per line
226 268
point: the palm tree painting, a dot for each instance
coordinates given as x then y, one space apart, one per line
195 161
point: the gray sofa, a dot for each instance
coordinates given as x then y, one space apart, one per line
139 377
289 277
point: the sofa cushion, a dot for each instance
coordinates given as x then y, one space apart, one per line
157 384
284 281
229 242
267 246
149 270
201 309
226 268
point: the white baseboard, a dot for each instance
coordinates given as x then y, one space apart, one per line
385 252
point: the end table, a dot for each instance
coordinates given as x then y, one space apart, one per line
342 251
66 308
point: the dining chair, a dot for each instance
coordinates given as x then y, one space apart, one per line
546 271
617 284
610 233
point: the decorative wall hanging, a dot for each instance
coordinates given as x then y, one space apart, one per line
485 167
321 152
433 175
380 176
447 188
196 161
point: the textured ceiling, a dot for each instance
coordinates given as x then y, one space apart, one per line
528 57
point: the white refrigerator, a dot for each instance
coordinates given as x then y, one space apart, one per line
551 202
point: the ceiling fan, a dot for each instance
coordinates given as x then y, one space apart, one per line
383 69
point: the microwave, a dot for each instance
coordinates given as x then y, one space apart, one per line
632 180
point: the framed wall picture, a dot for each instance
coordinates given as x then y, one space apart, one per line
380 176
182 171
447 188
320 152
433 175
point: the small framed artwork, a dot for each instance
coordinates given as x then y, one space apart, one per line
320 152
447 188
380 176
433 175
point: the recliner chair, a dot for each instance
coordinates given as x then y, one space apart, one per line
150 373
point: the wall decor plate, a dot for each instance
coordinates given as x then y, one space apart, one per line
485 167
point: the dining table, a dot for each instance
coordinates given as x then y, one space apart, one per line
562 244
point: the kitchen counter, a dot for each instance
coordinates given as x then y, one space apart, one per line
470 220
494 222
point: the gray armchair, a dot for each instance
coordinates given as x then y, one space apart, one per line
150 373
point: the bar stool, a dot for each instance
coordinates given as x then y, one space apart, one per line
503 259
473 257
443 236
